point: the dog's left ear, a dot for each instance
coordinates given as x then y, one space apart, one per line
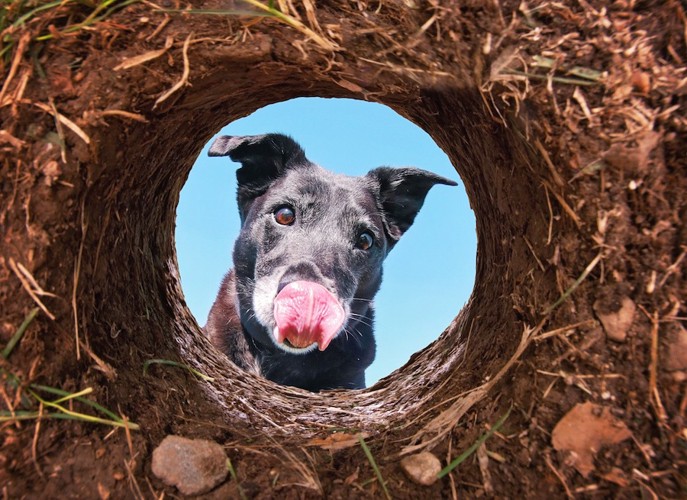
402 193
263 158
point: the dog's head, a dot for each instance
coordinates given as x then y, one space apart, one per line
308 259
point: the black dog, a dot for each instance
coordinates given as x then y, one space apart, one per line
297 308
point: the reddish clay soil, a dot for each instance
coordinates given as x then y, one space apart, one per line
565 120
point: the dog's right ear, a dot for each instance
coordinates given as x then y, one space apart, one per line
263 158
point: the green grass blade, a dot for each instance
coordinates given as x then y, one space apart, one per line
169 362
76 395
461 458
92 18
20 332
219 12
22 19
575 284
15 416
232 472
85 417
92 404
373 463
11 416
7 416
62 414
7 48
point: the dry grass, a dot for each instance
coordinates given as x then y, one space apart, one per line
31 286
525 66
17 15
285 14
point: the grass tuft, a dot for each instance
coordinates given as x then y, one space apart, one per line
16 15
266 10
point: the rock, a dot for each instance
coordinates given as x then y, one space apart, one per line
194 466
676 348
616 323
422 468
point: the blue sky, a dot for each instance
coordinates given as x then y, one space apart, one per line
428 276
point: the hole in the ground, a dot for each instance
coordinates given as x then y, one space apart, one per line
427 277
497 166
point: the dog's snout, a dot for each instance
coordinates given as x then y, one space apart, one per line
301 271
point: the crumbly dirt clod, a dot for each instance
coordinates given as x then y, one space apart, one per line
566 122
193 466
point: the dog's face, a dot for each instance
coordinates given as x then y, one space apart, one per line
308 259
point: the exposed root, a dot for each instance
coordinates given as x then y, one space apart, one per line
64 121
654 394
560 476
16 61
34 442
132 62
124 114
184 75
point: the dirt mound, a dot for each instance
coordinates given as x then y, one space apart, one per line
567 125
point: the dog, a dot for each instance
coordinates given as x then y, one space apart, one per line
297 308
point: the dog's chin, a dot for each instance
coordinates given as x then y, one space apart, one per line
287 346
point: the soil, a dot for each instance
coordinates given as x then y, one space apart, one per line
566 122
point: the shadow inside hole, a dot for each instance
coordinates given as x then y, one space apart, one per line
427 277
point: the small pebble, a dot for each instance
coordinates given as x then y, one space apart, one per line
422 468
676 353
616 324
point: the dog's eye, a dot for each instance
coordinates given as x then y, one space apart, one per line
365 240
284 216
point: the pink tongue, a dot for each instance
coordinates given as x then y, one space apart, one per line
305 313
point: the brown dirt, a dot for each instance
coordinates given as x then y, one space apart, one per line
579 192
